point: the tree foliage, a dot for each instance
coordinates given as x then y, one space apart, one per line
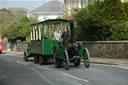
16 26
102 20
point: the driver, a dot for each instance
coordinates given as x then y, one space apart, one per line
65 36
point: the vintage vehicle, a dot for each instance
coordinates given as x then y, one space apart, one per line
44 45
1 44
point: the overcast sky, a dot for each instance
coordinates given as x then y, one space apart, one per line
29 4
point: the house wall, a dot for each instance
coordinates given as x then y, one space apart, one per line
124 0
45 17
69 4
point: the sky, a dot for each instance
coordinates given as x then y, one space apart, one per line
29 4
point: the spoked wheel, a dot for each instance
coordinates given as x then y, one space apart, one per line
25 57
56 60
66 60
86 58
41 60
36 59
77 62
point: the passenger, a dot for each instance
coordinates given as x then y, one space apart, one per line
57 34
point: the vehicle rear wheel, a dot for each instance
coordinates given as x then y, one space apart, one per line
77 62
0 52
86 58
58 63
25 57
36 59
66 60
41 60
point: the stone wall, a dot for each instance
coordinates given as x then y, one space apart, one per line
107 49
18 46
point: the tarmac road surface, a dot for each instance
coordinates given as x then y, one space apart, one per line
15 71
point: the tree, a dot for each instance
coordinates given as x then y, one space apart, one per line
21 29
17 25
18 12
125 4
100 20
5 23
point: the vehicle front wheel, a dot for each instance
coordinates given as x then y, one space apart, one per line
56 60
86 58
66 60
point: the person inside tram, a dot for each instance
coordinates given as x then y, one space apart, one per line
65 37
57 34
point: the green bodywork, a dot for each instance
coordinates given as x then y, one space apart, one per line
45 46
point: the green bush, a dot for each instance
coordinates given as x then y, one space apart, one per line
102 20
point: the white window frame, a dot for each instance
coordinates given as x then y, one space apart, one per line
39 27
31 33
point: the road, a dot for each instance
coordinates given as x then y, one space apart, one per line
15 71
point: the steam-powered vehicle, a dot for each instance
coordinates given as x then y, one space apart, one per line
48 42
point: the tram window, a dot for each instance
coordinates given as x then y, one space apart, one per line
31 33
57 32
36 32
46 32
39 29
51 31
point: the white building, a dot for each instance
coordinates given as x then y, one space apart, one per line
50 10
69 4
124 0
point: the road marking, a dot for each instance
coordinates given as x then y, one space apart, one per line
118 66
3 77
7 60
21 63
44 68
121 67
43 77
74 77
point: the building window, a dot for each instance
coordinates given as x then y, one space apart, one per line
75 3
82 3
70 4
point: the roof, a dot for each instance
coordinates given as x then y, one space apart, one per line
53 21
53 7
6 11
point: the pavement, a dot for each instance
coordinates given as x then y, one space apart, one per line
107 61
15 71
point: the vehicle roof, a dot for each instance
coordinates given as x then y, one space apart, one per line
52 20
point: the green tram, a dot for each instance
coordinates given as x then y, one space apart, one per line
44 45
